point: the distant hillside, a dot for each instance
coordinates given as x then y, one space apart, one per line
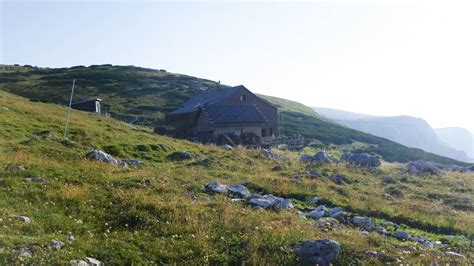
143 96
406 130
458 138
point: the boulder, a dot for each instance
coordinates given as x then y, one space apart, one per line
238 190
15 168
270 201
104 157
318 252
216 187
56 245
335 211
422 168
283 204
401 235
364 223
181 156
361 159
326 223
316 214
322 157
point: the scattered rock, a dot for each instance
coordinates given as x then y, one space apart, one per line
322 157
381 230
316 214
321 252
71 238
238 190
326 223
306 158
454 254
26 252
15 168
216 187
78 263
181 155
313 173
56 245
401 235
24 219
283 204
421 168
267 153
227 147
364 223
132 162
361 159
270 201
371 254
335 211
364 233
105 157
314 200
300 214
37 180
94 262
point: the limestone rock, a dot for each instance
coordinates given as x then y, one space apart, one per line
321 252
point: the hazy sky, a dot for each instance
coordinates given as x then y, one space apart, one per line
375 57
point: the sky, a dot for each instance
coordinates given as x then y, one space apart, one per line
375 57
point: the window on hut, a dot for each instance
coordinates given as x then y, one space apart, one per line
243 98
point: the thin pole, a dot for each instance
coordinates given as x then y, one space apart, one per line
69 109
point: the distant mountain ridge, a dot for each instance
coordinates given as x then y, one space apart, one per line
458 138
406 130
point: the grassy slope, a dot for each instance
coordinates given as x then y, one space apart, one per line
144 96
155 213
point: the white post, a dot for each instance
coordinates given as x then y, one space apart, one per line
69 109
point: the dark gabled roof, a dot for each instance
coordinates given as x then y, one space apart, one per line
87 100
234 114
205 98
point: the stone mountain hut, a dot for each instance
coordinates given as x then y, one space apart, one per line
230 115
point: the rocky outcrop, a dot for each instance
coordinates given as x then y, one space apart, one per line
318 252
